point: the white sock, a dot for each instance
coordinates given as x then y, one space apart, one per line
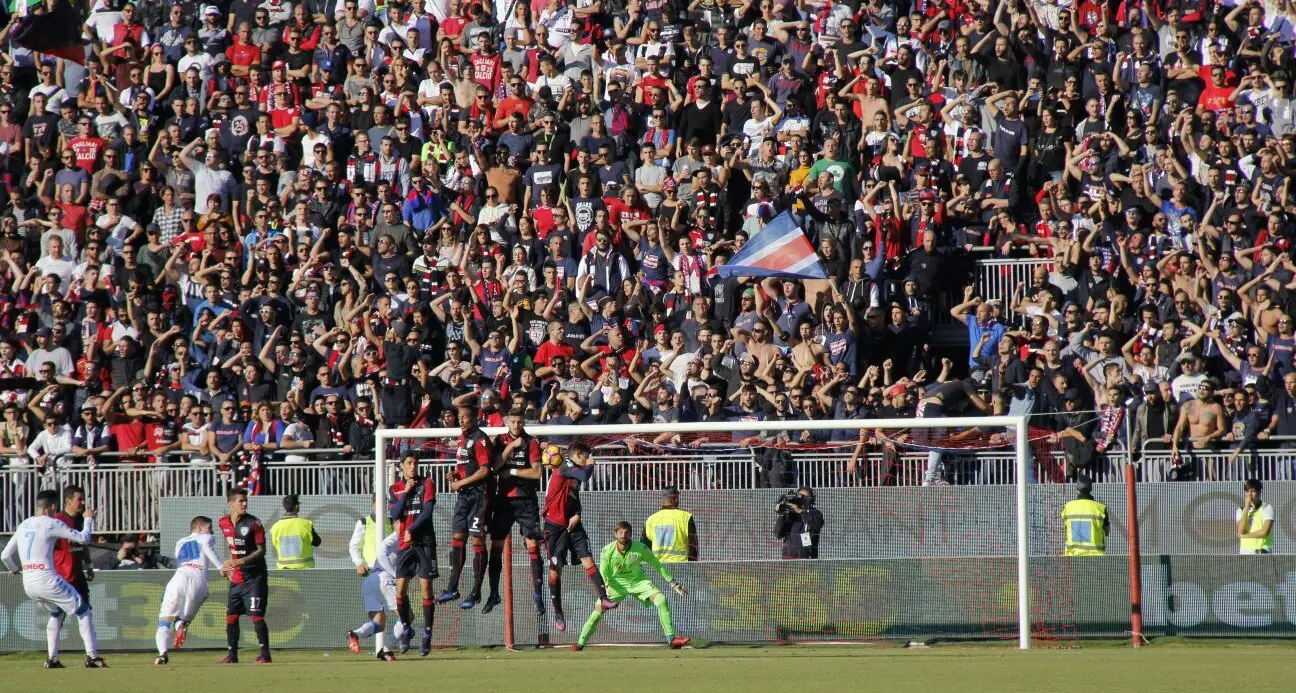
52 631
163 637
85 624
366 630
380 641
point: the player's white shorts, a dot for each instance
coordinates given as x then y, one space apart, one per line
378 592
184 595
51 591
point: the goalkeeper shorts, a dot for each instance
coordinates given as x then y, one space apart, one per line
644 590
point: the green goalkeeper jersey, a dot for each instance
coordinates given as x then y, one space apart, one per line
627 568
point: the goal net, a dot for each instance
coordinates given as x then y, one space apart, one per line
933 529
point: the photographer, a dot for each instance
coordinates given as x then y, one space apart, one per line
799 524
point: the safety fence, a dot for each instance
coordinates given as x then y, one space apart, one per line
996 280
128 496
897 522
750 602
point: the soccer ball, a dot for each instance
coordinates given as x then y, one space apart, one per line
551 457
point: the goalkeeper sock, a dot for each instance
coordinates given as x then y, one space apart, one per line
456 563
429 610
537 571
496 566
479 567
262 633
403 611
588 629
664 615
555 592
369 628
163 636
232 633
596 577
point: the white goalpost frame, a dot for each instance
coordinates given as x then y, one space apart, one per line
542 431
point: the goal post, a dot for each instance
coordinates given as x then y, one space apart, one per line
1019 425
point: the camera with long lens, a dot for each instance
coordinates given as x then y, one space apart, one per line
791 498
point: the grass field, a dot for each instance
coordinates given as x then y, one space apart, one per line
1180 667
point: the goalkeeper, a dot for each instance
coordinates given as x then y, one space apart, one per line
621 564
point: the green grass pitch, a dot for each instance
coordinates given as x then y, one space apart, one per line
1175 667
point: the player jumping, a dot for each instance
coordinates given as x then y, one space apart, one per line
563 533
471 479
621 563
246 569
378 589
187 589
31 549
518 468
412 501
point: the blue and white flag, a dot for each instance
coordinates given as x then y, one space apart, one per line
778 249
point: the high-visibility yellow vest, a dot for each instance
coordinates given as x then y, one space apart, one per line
668 534
292 538
1084 519
369 551
1256 544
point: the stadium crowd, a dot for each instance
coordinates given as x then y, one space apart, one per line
243 228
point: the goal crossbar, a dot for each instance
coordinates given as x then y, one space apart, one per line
543 431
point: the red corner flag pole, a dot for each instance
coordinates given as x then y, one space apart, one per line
1135 569
507 578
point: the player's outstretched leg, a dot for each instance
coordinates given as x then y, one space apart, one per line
370 627
591 623
457 556
667 622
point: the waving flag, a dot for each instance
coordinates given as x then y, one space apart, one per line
779 249
56 32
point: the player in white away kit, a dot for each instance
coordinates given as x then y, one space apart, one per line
187 589
31 549
378 589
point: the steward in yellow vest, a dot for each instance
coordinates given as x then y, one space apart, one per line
294 538
1085 523
1255 522
670 532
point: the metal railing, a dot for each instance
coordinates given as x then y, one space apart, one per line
998 278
